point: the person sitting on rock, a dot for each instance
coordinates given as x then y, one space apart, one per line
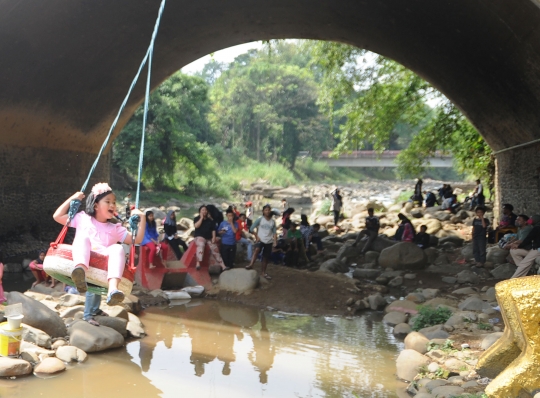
405 231
509 218
525 253
295 238
479 233
171 235
286 221
523 229
36 266
431 200
422 238
151 242
310 234
371 230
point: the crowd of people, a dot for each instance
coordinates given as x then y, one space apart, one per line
220 234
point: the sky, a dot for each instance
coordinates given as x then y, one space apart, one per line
226 55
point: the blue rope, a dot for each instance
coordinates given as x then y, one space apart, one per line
147 100
105 143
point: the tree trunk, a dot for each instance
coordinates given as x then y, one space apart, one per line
259 141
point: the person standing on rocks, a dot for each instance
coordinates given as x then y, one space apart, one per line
417 198
266 237
335 207
478 195
249 214
479 236
371 230
227 231
91 308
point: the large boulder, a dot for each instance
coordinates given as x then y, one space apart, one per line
404 306
473 304
49 366
431 254
238 280
490 339
11 367
467 276
403 255
70 354
458 242
94 338
503 271
36 336
496 255
366 273
349 251
118 324
382 243
395 318
334 266
38 315
416 341
433 225
408 364
467 252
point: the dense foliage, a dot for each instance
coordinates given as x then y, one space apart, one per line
292 96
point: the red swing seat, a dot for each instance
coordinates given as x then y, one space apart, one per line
59 264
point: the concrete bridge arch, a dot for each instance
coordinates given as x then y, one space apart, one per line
65 67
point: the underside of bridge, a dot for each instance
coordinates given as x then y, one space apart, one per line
65 67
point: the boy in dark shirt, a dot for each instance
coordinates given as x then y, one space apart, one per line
479 239
372 231
422 238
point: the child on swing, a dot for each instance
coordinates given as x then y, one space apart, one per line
95 233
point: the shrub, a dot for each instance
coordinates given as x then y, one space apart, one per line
428 316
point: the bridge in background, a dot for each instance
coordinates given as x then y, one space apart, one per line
383 159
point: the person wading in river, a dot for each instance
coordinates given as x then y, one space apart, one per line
266 238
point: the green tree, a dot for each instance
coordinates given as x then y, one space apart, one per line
176 128
375 97
265 103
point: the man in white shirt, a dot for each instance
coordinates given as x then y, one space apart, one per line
265 237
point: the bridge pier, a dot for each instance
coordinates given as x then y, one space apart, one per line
35 181
517 179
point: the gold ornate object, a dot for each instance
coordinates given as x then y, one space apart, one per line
509 346
514 360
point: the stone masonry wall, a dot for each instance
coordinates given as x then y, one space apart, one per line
518 179
34 182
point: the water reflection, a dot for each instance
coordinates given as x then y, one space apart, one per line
213 349
221 349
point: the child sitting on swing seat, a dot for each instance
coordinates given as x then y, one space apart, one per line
95 232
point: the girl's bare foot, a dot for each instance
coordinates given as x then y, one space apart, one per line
152 266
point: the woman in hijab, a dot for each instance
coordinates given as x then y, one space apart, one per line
405 232
286 220
171 234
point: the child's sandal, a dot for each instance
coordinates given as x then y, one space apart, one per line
115 297
78 276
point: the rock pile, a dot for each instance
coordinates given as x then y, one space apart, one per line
54 334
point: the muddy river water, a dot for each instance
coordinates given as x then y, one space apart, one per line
206 348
